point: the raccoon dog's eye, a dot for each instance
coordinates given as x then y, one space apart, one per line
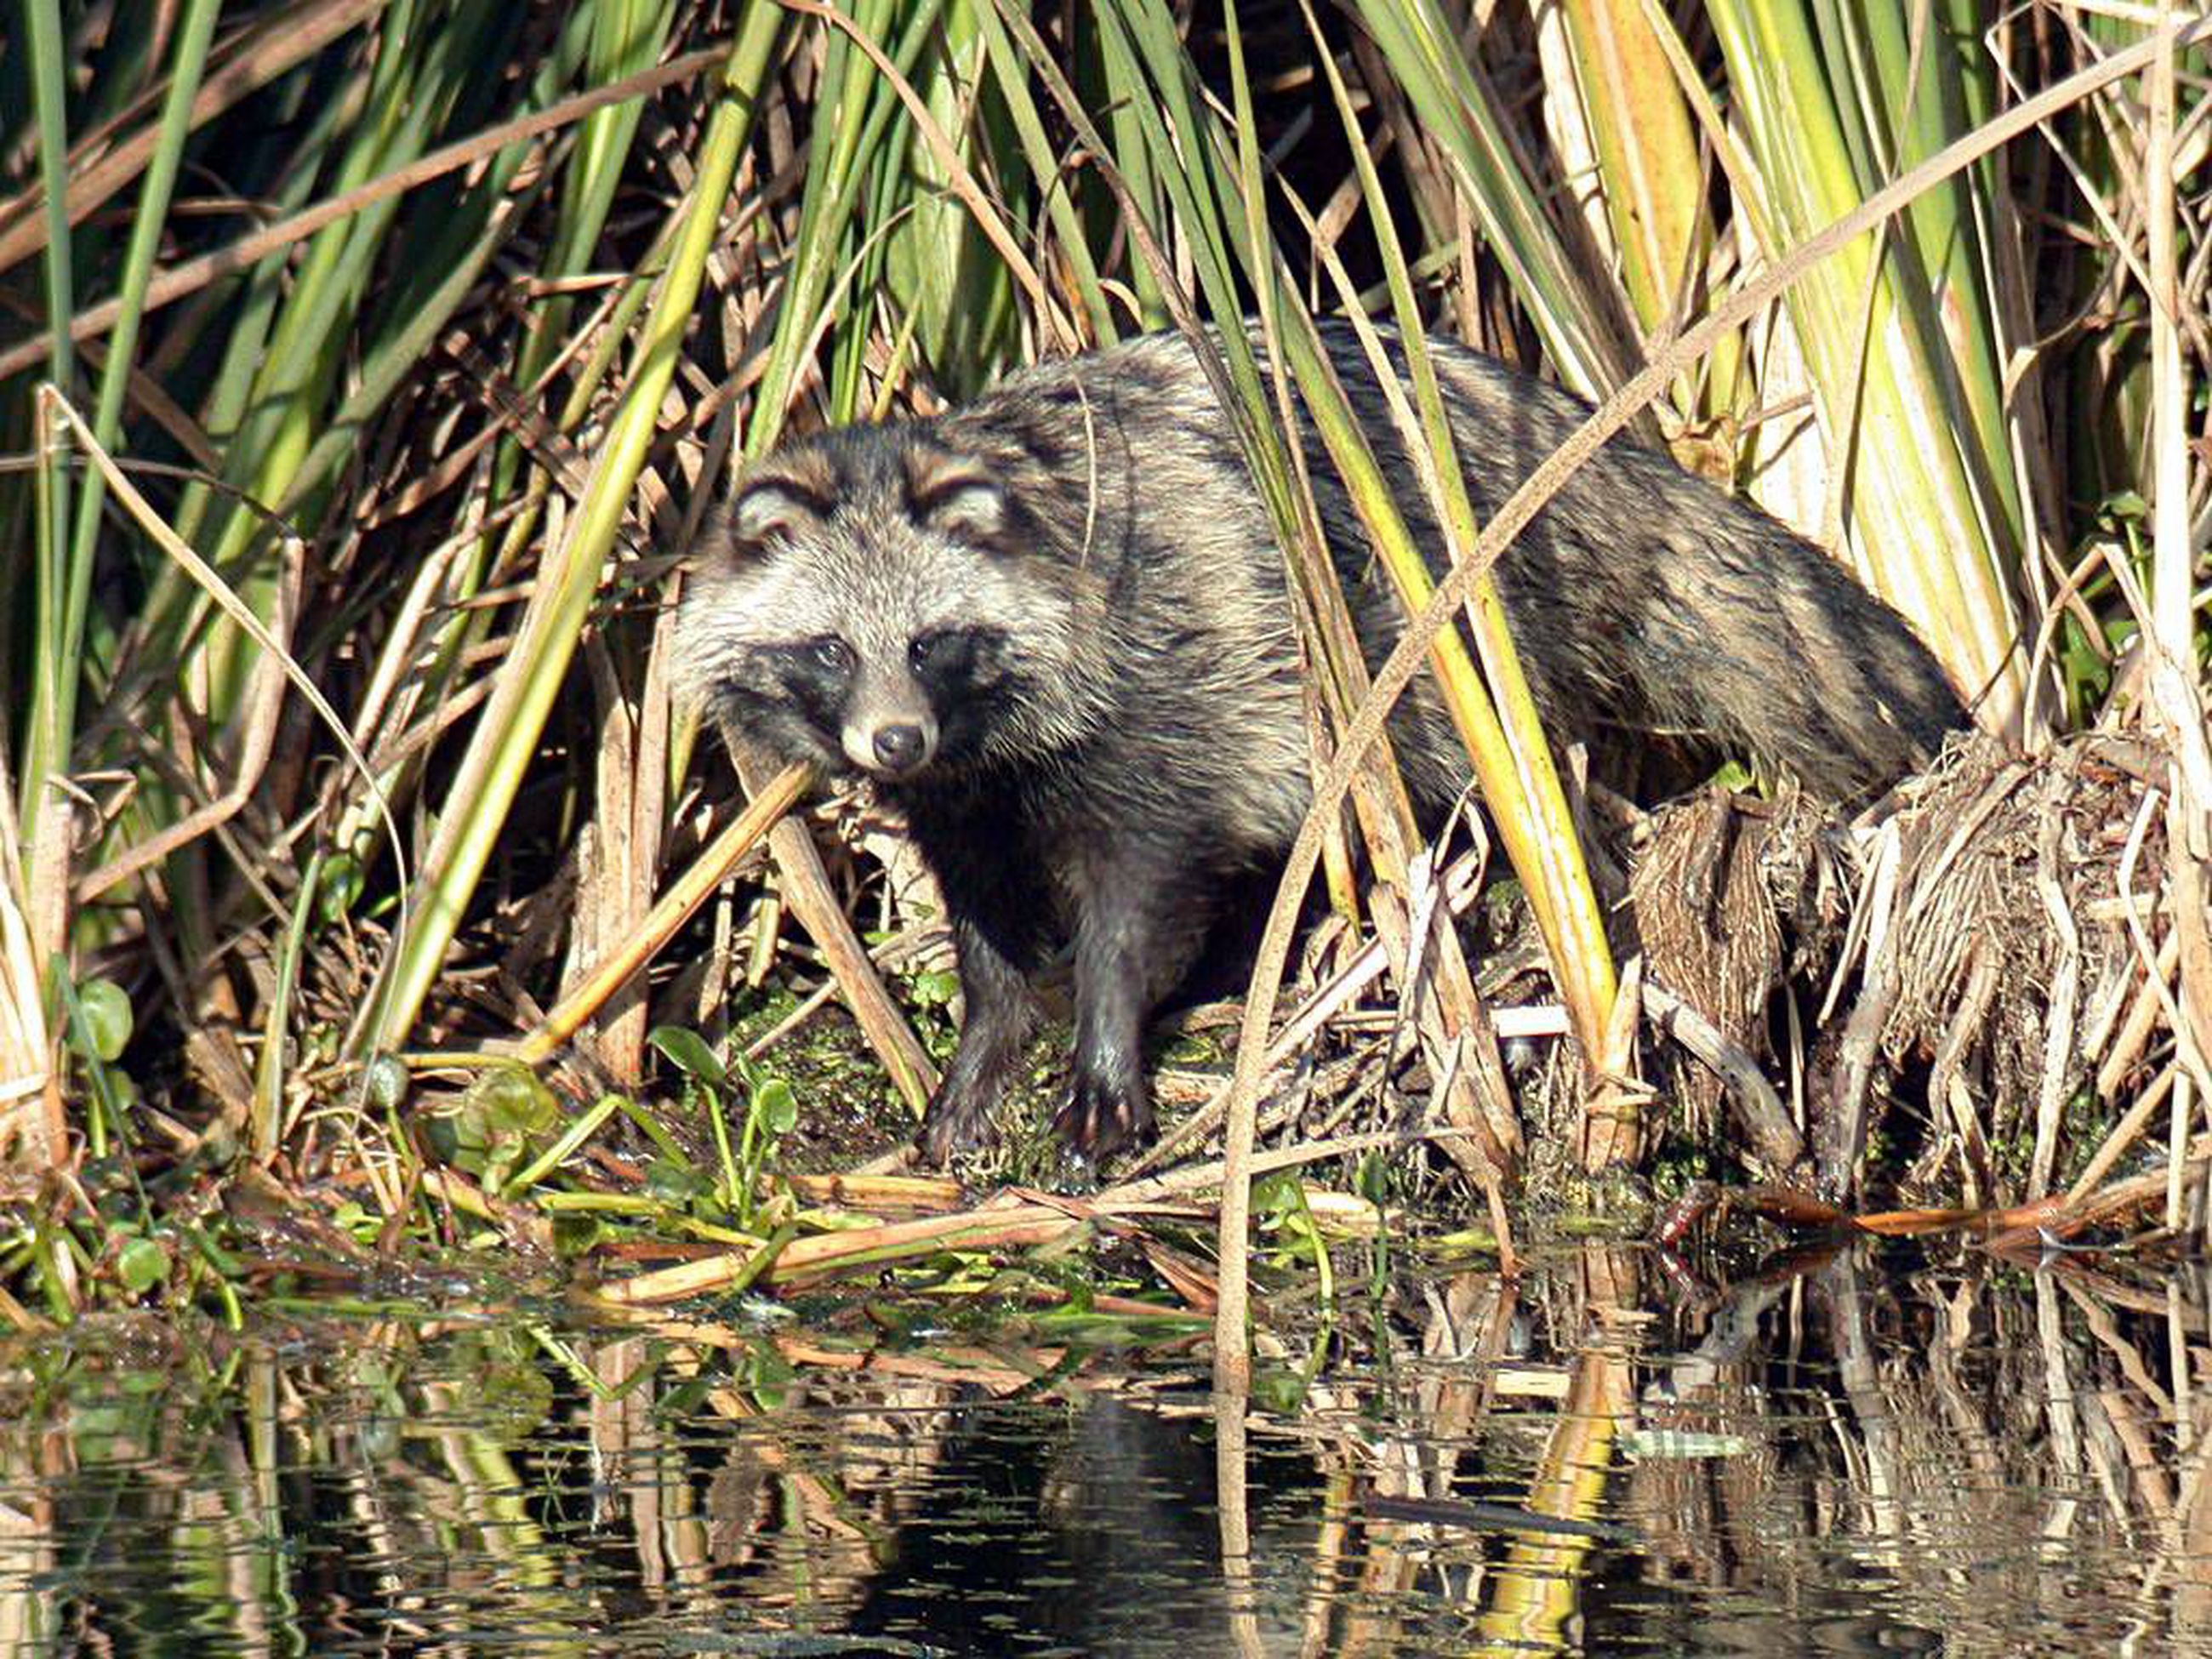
936 651
832 652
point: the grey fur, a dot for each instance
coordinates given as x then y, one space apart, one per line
1101 728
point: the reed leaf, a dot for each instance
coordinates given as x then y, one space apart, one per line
1459 109
1646 154
938 267
1833 102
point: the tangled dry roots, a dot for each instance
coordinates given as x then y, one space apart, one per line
2009 913
2011 942
1722 886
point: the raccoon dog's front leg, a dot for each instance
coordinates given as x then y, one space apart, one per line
991 1037
1138 931
999 909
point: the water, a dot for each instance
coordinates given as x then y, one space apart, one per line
1853 1455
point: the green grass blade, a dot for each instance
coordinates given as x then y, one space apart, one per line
1009 80
938 266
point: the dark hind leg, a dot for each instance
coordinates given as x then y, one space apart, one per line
1143 920
1223 967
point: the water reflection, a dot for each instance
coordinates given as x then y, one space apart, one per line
1843 1456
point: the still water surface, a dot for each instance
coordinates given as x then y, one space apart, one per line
1856 1455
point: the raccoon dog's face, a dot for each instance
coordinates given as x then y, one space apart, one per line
868 601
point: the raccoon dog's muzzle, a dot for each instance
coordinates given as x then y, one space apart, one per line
889 731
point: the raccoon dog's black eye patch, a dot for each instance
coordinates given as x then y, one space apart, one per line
812 677
816 670
935 653
947 657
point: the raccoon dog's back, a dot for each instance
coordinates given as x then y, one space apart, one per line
1053 625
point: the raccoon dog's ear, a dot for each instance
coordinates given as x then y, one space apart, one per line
975 510
769 508
954 495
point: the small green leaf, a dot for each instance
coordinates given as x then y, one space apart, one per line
501 1110
1278 1391
142 1264
770 1375
934 990
776 1106
674 1183
687 1052
1276 1196
1373 1182
341 886
107 1019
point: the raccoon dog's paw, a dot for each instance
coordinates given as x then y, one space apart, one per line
1104 1115
952 1125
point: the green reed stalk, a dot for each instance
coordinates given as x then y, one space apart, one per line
54 665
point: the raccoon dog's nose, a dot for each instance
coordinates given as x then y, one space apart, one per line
901 748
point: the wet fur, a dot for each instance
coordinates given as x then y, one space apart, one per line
1106 685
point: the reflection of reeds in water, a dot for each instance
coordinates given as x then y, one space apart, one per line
1993 1465
1823 1453
1940 1457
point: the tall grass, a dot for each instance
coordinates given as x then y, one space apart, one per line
398 314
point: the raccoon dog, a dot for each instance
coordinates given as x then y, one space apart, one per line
1052 627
